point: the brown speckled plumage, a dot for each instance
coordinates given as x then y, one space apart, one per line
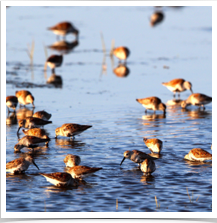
79 172
71 129
154 144
60 179
198 154
152 103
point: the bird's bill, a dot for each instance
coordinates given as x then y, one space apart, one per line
18 131
191 91
122 161
35 164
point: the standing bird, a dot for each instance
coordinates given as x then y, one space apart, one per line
42 115
196 99
80 172
72 160
29 142
152 103
148 167
32 122
60 179
20 165
121 52
11 102
70 129
64 28
53 61
136 156
198 154
156 18
178 85
155 145
25 97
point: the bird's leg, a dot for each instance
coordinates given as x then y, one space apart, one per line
8 110
145 111
179 95
203 107
174 94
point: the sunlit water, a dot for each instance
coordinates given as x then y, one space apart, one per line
179 47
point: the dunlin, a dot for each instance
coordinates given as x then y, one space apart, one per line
42 115
80 172
64 28
53 61
121 52
148 167
11 102
152 103
70 129
72 160
32 122
37 132
196 99
155 145
136 156
156 18
25 97
60 179
198 154
29 142
178 85
20 165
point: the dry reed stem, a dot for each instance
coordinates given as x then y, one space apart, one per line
103 43
45 51
112 47
156 201
116 204
30 51
188 194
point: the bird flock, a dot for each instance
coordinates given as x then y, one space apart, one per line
33 127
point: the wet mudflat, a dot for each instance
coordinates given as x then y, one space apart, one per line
179 47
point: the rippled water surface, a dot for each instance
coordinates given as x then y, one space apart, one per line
179 47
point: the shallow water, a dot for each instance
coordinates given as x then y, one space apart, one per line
179 47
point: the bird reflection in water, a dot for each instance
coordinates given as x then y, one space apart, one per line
11 119
121 70
55 80
198 163
69 144
155 155
23 113
147 180
63 46
17 178
39 150
196 114
174 102
153 116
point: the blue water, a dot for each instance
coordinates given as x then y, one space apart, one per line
179 47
